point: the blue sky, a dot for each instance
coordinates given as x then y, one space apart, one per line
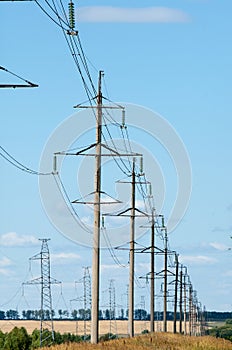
174 60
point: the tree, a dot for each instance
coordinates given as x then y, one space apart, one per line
35 339
107 314
140 314
121 314
2 339
66 313
100 315
74 314
2 315
17 339
36 314
12 315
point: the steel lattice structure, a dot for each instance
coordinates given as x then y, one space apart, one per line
45 281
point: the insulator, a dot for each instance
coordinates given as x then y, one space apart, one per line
103 221
123 118
163 222
150 190
141 165
71 15
54 165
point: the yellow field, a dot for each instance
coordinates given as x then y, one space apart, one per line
77 327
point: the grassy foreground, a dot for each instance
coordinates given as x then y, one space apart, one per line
159 341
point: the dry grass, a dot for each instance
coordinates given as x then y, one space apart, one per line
158 341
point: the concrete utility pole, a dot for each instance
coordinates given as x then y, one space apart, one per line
190 308
97 216
181 296
176 292
132 254
165 279
185 302
152 290
98 154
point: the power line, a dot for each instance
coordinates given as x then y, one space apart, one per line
10 159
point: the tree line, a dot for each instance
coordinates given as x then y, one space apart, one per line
106 314
76 314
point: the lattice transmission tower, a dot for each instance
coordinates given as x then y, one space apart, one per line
112 308
87 298
45 281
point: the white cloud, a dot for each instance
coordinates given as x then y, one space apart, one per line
5 272
131 15
109 267
12 239
219 246
197 260
5 262
64 257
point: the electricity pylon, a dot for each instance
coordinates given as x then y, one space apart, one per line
133 210
87 298
45 281
97 201
176 291
153 250
112 307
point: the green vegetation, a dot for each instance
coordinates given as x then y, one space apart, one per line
224 331
19 339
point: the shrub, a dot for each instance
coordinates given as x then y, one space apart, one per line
17 339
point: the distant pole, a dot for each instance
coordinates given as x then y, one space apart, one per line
165 279
132 263
152 291
176 292
190 308
181 297
185 305
97 224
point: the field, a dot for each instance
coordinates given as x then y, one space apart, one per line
159 341
77 327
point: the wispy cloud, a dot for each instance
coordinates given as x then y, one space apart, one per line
227 230
12 239
131 14
109 267
63 258
5 272
197 259
4 263
219 246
